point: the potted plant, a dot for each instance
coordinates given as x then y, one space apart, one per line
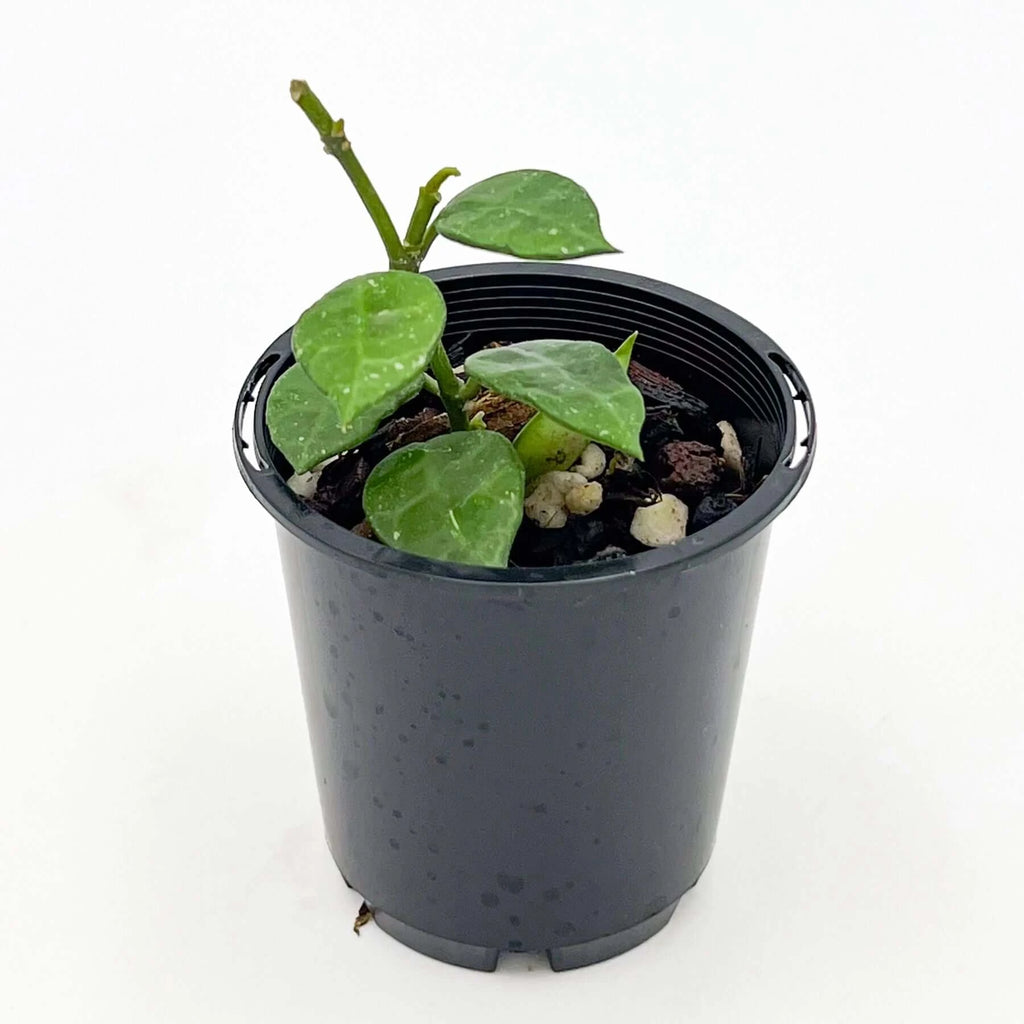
523 511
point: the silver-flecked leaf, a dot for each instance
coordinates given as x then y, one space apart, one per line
537 215
456 498
369 338
579 384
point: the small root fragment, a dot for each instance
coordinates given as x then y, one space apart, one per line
364 917
621 462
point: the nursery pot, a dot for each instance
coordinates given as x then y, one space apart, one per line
534 759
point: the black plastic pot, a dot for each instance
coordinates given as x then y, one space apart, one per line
535 759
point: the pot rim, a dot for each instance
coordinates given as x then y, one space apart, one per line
775 492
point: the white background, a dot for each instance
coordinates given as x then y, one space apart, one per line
848 176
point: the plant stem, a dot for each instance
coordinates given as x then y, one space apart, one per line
449 386
429 197
428 240
332 134
470 390
429 384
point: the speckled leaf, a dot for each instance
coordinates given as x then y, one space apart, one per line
538 215
578 384
304 422
456 498
369 338
544 445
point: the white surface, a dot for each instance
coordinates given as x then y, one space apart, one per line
847 176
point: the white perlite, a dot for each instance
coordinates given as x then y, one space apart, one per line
584 498
662 523
554 495
732 453
304 484
591 463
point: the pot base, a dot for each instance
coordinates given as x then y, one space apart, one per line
564 958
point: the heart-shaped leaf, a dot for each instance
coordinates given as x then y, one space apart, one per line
545 445
578 384
369 338
304 422
538 215
456 498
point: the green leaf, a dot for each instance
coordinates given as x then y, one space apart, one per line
538 215
369 339
304 422
578 384
457 498
624 353
544 445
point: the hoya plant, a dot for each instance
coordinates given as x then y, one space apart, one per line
374 342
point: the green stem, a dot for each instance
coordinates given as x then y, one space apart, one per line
332 134
470 390
429 384
429 197
428 240
449 386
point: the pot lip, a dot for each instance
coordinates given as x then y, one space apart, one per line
774 493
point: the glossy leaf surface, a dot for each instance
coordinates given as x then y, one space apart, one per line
304 422
456 498
538 215
545 445
370 338
578 384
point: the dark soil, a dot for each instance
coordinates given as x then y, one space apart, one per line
684 457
